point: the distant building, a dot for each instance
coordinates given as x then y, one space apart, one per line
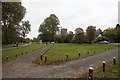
98 32
79 30
99 35
63 31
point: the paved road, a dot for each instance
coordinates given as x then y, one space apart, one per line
10 47
23 68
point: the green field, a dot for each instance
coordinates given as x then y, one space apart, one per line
58 52
25 50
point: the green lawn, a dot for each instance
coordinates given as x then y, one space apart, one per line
11 53
58 52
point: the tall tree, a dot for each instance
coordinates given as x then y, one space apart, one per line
90 33
25 28
48 28
118 33
12 14
70 37
79 35
113 34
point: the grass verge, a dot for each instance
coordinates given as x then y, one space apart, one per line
20 51
57 54
111 72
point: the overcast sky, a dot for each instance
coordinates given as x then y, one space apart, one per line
72 13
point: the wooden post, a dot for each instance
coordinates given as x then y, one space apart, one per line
7 57
88 52
90 73
94 51
16 55
103 66
22 53
114 60
79 54
41 57
45 58
26 52
67 56
105 49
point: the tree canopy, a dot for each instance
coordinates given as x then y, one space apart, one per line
12 14
90 33
25 28
113 34
48 28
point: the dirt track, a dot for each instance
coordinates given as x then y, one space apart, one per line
24 68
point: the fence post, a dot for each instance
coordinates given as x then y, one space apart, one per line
7 57
41 57
16 55
90 73
105 49
103 66
45 58
88 52
79 54
67 56
114 60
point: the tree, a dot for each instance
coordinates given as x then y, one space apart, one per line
90 33
12 14
102 38
113 34
118 33
25 28
79 38
48 28
70 37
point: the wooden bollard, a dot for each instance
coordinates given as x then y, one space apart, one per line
22 53
79 54
114 60
88 53
7 57
105 49
67 56
16 55
45 58
26 52
103 66
94 51
90 73
41 57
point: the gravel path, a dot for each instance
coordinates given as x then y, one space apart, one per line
24 68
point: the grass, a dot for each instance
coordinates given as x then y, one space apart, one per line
111 71
11 53
58 52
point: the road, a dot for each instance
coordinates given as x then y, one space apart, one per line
10 47
24 68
